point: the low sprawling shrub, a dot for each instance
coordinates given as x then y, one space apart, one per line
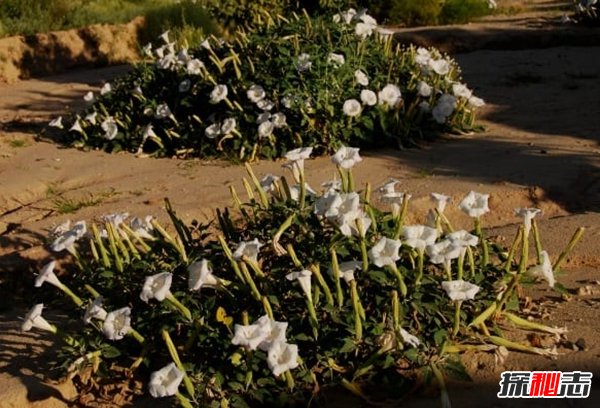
587 11
301 81
294 293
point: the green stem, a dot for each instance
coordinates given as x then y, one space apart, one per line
574 239
513 249
537 240
524 252
289 379
350 180
335 266
76 299
396 313
401 285
457 306
136 335
302 190
197 328
355 304
250 281
264 199
317 272
420 260
486 256
178 305
175 357
461 261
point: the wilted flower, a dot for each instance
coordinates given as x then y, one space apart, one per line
117 324
165 382
444 108
149 133
385 252
194 67
460 289
142 227
57 123
304 63
115 219
409 338
304 278
544 270
390 95
368 97
228 126
352 107
265 129
110 128
443 252
256 93
67 239
268 182
336 59
419 236
94 310
34 319
106 88
346 157
361 77
279 120
218 93
527 214
249 249
185 85
423 89
282 357
201 275
157 287
475 204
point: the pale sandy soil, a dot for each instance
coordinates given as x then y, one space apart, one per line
540 148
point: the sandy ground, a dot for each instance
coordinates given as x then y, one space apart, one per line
540 148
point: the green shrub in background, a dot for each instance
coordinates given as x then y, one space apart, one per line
320 81
428 12
186 18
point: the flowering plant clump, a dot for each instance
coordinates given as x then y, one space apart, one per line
321 81
587 11
294 294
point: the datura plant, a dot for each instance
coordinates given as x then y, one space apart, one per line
320 81
293 292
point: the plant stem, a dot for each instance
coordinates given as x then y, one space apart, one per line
420 259
175 356
335 266
486 255
179 306
76 299
574 239
457 306
401 285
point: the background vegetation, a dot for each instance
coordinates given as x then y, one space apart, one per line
188 17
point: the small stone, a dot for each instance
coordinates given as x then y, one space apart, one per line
580 343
